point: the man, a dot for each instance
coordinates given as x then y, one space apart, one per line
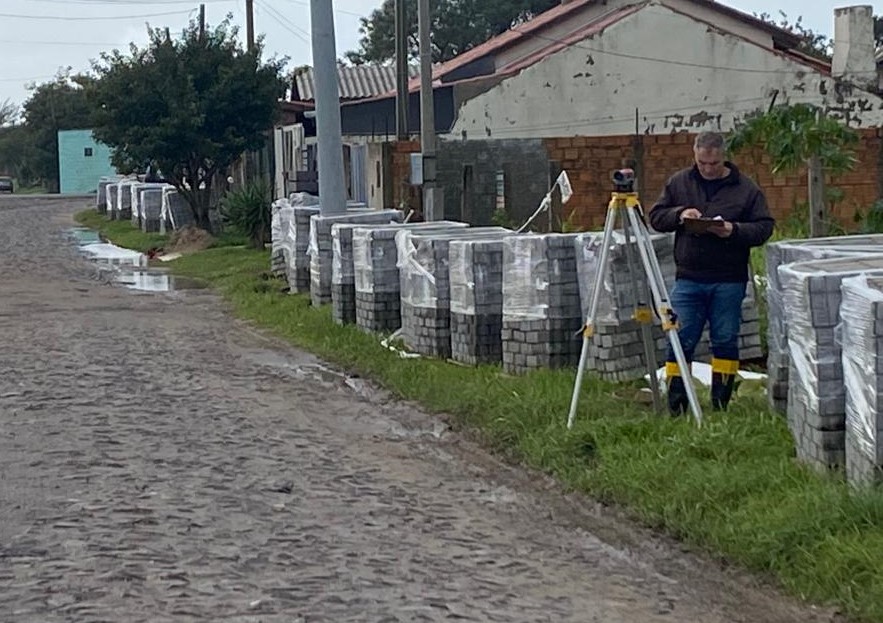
712 266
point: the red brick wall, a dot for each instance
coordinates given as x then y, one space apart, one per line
589 162
400 165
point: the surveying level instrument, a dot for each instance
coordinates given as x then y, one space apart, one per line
625 206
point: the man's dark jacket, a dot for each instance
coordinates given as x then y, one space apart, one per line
705 257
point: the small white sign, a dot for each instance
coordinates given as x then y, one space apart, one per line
417 169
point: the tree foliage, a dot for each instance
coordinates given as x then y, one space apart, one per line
797 136
792 134
190 106
816 44
60 104
457 26
8 112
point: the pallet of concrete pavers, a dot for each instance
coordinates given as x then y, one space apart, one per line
176 212
150 201
785 252
861 311
281 213
343 269
617 349
138 215
111 191
817 390
122 211
101 196
376 272
476 281
425 285
541 303
321 251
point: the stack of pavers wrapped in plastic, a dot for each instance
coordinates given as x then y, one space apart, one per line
176 212
102 196
816 384
150 206
321 249
541 303
861 312
122 211
617 349
281 214
138 213
425 286
476 274
786 252
343 269
376 279
112 191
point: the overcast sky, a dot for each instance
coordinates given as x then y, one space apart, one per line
38 37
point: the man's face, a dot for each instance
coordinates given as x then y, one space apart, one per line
710 162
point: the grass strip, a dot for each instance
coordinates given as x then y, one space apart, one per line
732 488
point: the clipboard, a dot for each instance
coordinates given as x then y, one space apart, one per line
700 225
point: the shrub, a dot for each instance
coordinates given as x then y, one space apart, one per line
247 209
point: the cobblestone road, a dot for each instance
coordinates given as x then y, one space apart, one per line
163 462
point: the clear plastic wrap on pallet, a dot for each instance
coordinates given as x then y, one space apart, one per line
422 259
622 287
364 256
342 254
539 270
861 334
476 276
280 217
302 200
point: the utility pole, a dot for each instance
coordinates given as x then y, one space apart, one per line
201 22
249 24
433 202
401 71
332 194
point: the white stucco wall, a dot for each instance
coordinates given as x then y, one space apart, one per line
680 74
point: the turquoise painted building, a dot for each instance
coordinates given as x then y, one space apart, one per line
82 161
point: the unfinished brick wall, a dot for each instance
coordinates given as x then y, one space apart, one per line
589 162
404 195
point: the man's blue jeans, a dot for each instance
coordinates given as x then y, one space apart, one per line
718 304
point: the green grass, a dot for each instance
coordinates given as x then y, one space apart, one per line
731 488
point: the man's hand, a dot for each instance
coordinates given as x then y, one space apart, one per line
689 213
724 229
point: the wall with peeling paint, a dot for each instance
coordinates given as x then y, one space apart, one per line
657 71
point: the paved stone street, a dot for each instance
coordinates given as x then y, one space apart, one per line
160 461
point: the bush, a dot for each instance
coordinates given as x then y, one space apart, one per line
248 211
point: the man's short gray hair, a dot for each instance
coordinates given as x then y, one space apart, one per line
710 140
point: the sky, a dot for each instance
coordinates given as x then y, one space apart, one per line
40 37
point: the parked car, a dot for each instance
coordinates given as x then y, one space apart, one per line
6 185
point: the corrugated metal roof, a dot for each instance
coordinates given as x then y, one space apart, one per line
355 82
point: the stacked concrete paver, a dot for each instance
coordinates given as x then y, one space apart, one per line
321 250
817 389
299 239
861 311
376 273
425 286
176 212
476 274
541 303
786 252
151 209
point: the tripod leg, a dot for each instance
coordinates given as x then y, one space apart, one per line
588 329
642 312
660 296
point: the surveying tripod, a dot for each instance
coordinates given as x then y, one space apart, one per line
625 206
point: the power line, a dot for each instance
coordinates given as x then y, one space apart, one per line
96 18
285 23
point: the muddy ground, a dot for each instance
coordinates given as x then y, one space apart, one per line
162 461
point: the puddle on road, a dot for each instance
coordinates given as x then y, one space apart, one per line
126 267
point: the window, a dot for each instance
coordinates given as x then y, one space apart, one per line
87 152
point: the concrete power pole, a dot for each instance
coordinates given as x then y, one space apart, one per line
332 193
401 71
249 24
433 202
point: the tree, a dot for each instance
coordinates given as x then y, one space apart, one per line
57 105
813 43
457 26
8 112
801 135
190 106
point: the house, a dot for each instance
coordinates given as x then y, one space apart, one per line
295 142
592 85
82 161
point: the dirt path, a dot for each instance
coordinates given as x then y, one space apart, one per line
160 461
